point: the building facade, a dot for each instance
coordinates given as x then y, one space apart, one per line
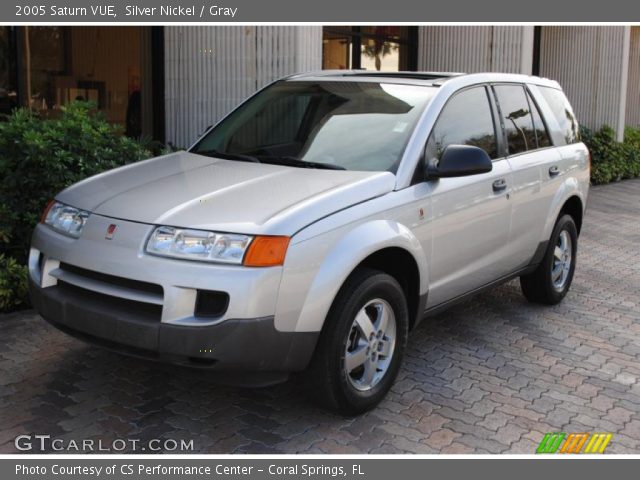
171 83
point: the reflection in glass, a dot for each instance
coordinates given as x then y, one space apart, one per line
542 136
44 61
517 119
381 48
465 120
336 51
59 65
8 81
564 114
345 125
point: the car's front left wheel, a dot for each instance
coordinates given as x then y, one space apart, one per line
362 343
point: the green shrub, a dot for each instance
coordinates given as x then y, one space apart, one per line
611 160
632 136
13 284
39 158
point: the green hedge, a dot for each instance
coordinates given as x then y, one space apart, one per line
38 158
611 160
13 284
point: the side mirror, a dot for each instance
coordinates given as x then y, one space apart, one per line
459 161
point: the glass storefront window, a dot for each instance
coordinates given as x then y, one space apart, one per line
45 68
337 49
44 61
8 74
381 48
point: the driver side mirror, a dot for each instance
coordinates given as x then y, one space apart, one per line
459 161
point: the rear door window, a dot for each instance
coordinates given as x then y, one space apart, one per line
542 135
516 118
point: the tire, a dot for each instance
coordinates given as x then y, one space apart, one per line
342 344
544 285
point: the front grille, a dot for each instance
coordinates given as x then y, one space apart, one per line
141 310
113 280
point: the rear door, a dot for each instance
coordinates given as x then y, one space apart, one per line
471 214
565 134
530 155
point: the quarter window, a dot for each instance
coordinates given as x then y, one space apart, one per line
465 120
563 112
516 118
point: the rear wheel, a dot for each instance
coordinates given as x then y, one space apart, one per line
362 343
551 281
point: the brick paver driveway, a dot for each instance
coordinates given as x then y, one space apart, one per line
491 375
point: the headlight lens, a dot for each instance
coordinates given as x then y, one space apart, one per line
198 245
65 219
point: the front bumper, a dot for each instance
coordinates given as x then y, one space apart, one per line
110 292
249 345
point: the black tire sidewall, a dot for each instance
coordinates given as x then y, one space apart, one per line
353 297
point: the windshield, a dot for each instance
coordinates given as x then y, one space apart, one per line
322 124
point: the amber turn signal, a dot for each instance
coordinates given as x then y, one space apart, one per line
266 251
46 211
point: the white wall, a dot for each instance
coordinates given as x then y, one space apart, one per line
210 69
591 64
472 49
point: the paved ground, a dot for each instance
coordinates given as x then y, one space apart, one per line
492 375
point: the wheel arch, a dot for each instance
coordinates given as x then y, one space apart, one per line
573 206
402 266
569 198
382 244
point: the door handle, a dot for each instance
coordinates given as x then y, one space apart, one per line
499 185
553 171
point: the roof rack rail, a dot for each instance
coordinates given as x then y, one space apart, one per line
374 73
413 75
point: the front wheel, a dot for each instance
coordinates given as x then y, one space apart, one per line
362 343
550 282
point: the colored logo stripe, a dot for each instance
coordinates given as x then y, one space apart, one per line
560 442
598 443
574 443
550 442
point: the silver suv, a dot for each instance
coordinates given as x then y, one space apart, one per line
317 224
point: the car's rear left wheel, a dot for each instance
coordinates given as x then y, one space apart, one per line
362 343
551 281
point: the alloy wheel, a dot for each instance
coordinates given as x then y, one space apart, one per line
370 346
562 256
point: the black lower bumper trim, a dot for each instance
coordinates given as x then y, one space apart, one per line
247 345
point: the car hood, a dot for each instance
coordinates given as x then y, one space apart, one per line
188 190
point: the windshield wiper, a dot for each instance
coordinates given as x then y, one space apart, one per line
229 156
297 162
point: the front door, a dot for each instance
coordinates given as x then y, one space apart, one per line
470 215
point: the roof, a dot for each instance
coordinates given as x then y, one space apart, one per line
424 78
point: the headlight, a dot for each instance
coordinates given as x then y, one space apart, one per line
198 245
65 219
261 251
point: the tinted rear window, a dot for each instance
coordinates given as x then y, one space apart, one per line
563 112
